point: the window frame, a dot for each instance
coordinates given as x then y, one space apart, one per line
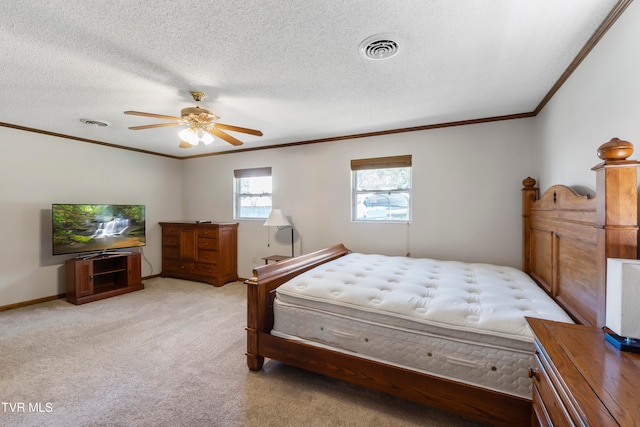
239 175
392 162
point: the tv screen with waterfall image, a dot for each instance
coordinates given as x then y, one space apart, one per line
80 228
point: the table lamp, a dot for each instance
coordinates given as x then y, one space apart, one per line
622 315
277 219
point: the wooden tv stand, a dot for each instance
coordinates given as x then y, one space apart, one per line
103 276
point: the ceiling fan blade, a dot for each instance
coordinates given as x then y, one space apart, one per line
231 140
159 125
185 144
238 129
157 116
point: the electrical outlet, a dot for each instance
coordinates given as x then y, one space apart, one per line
254 260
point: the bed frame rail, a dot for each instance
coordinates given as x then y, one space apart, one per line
487 406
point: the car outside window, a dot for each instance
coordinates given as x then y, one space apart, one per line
381 189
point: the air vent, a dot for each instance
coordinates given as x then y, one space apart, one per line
381 46
95 123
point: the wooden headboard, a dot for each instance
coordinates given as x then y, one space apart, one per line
567 237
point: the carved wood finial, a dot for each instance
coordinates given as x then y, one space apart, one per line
529 182
615 149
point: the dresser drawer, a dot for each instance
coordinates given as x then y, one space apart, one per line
209 232
206 269
546 395
208 257
172 252
540 415
191 270
170 230
177 266
205 243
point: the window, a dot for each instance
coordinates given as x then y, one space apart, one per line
381 189
252 194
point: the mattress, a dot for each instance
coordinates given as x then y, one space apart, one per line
456 320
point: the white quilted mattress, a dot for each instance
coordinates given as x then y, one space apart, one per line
457 320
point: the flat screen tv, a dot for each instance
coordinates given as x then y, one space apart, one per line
96 228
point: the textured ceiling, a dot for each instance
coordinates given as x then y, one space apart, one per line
289 68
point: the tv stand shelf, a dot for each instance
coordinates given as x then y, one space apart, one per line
96 278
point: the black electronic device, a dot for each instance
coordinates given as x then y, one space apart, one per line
622 343
96 228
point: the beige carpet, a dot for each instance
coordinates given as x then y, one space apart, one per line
170 355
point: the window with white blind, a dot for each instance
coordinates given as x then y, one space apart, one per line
381 189
252 193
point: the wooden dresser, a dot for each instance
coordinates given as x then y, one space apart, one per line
200 252
580 379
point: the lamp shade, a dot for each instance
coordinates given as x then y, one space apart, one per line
277 219
623 297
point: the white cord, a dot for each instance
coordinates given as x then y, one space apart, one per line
145 258
408 244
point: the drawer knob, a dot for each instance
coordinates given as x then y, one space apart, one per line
534 373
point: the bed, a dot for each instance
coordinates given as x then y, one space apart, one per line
566 241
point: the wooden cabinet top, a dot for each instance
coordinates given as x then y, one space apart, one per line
597 376
212 223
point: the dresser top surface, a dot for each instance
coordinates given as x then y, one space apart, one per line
181 223
586 361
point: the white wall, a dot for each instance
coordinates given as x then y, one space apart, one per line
466 194
38 170
600 100
461 176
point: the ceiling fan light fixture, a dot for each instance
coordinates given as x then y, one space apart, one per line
200 125
206 138
195 136
189 135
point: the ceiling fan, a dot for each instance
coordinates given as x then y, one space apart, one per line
201 125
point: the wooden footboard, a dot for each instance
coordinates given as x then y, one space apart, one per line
261 292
